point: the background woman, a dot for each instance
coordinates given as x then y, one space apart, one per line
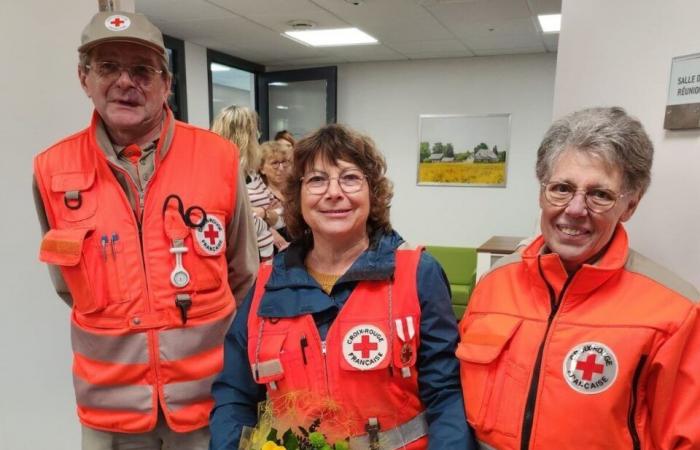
349 325
240 125
285 139
589 344
275 167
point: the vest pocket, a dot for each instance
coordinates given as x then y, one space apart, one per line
207 260
77 202
66 248
489 378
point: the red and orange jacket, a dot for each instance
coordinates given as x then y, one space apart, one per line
138 340
365 368
605 358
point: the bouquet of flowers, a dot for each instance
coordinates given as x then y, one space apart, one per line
267 435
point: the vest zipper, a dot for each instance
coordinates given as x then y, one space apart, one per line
633 404
531 401
325 365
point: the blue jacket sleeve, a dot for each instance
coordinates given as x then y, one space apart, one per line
236 394
438 367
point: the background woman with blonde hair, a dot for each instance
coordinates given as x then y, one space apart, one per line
240 125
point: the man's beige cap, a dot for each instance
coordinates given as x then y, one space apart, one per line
117 26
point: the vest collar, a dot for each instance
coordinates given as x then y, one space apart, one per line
291 291
588 277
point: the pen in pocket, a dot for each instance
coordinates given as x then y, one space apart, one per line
103 243
115 238
304 343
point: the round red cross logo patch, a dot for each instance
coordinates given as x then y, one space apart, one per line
364 347
117 22
590 368
211 235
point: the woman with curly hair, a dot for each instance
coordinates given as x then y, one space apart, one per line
350 330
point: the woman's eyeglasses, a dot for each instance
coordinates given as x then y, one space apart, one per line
350 181
597 200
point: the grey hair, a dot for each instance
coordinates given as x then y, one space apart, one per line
619 139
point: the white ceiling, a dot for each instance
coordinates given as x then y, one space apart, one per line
406 29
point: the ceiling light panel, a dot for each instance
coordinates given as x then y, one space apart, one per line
332 37
550 23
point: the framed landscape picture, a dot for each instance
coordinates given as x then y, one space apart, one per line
462 150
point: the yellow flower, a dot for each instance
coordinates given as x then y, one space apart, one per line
269 445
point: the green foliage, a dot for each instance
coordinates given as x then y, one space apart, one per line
290 440
502 156
480 146
424 151
449 150
438 148
318 440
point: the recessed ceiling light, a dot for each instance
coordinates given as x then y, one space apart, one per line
216 67
331 38
550 23
282 107
277 83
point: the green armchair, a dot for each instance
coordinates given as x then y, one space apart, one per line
459 264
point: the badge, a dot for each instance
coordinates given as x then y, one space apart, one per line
117 22
590 368
211 236
406 353
364 347
405 329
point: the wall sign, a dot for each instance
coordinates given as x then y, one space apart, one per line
683 104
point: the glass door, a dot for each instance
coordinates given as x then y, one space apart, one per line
298 101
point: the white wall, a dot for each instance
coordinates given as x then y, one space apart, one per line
385 99
42 102
619 53
197 85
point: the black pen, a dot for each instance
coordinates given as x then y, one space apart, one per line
304 343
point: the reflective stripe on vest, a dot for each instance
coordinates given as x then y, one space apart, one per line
484 445
397 437
181 395
181 343
138 398
120 349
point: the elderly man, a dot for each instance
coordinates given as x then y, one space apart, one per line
148 233
579 342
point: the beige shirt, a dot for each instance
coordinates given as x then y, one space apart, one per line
242 249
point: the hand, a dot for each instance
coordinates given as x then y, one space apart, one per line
279 242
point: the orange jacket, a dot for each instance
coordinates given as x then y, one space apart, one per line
364 369
607 358
139 341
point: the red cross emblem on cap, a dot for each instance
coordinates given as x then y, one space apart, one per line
117 22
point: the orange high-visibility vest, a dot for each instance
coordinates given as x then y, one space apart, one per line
364 373
138 340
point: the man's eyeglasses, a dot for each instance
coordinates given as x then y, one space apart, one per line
350 181
597 200
141 74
